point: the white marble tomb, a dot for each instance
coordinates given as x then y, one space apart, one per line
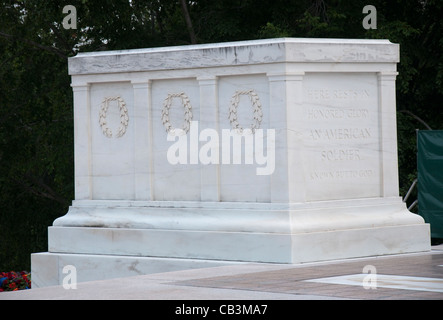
324 111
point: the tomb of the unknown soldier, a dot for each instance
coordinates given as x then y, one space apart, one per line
267 151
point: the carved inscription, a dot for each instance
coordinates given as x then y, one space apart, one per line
341 134
340 154
338 94
341 174
334 113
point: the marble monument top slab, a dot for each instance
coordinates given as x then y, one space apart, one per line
235 54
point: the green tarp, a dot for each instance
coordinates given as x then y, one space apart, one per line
430 179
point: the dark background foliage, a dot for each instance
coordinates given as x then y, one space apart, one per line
36 116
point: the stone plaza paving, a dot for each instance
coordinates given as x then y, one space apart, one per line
416 276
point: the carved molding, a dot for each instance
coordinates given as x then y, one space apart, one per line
124 118
188 112
256 105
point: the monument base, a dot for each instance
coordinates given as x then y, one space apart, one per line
47 267
122 238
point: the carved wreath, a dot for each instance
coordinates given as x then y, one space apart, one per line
124 118
256 105
188 112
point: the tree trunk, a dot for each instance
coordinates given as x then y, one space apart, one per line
188 22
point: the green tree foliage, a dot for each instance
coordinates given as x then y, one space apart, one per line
36 118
